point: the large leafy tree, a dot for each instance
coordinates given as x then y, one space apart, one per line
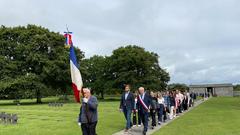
94 71
33 61
134 65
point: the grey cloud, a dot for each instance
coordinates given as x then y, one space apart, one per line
198 41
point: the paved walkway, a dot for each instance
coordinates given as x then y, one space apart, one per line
138 130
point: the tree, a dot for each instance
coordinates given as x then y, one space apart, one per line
94 71
236 87
33 61
178 86
134 65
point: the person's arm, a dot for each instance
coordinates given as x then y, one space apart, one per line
138 107
79 117
164 103
92 104
121 103
132 101
150 101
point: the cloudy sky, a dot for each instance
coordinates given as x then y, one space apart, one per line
198 41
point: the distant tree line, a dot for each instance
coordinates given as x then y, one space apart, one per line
178 86
35 64
236 87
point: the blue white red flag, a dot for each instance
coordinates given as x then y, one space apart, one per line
68 39
77 82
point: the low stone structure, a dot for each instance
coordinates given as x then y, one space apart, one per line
213 89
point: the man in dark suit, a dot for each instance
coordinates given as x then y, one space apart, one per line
88 116
144 102
127 106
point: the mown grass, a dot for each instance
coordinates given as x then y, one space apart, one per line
35 119
217 116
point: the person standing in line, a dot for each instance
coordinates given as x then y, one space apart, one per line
88 116
127 106
153 108
177 103
160 101
172 105
136 116
166 105
144 102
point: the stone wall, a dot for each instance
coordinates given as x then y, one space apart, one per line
219 91
197 90
224 91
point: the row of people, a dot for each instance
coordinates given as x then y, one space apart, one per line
159 106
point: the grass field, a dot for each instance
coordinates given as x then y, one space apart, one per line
44 120
217 116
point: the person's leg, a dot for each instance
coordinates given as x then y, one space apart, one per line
129 123
161 112
171 112
139 119
134 118
92 128
84 127
125 115
164 114
181 107
154 118
158 114
151 115
145 117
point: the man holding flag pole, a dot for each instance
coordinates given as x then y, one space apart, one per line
88 116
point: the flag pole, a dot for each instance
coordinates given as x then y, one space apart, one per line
74 67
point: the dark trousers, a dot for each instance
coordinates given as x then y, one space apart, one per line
180 107
153 115
165 114
144 118
89 128
136 118
127 114
160 112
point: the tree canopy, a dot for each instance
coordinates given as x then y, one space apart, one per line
34 63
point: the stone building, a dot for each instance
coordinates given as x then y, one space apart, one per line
213 89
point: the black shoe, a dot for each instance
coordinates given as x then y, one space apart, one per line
144 133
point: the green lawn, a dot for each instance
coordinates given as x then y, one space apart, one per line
43 120
217 116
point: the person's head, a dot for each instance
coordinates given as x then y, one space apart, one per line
177 91
164 93
170 93
127 87
158 94
141 90
152 94
167 92
86 92
136 93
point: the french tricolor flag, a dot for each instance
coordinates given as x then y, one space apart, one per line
77 82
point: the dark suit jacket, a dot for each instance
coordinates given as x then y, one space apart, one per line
148 102
128 103
88 111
